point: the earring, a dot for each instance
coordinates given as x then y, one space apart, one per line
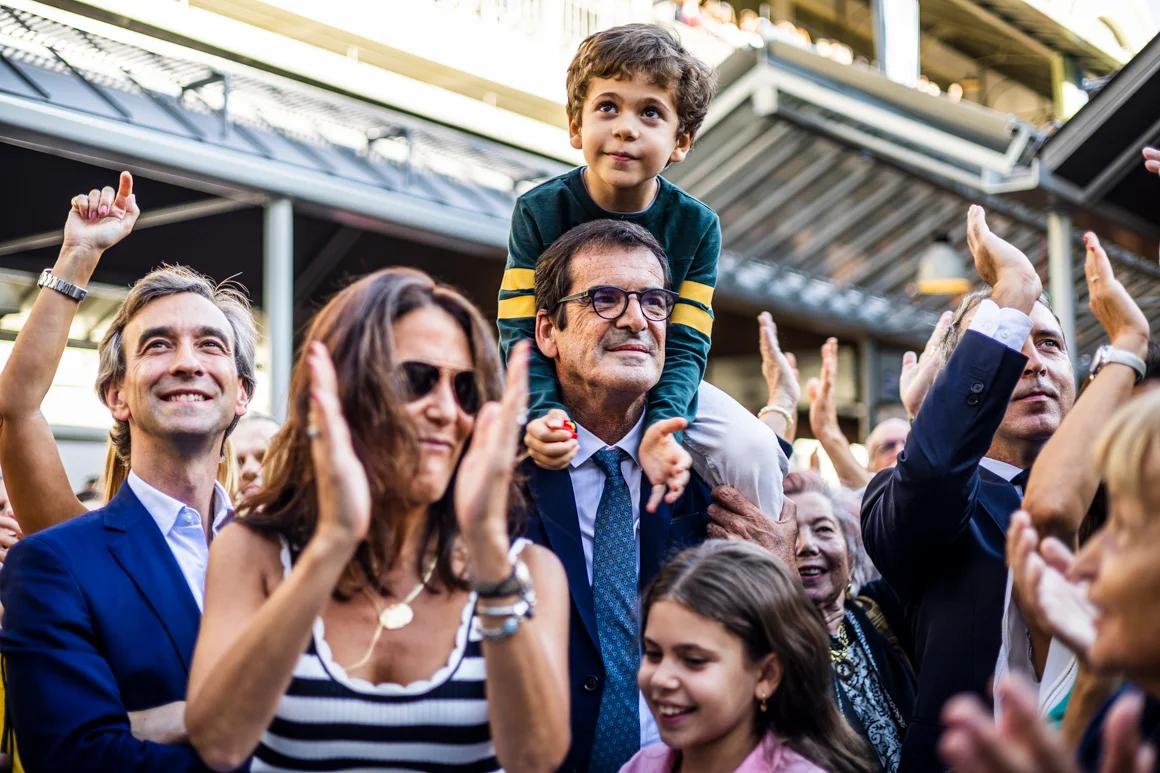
761 704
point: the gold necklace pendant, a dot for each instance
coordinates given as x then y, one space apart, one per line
396 616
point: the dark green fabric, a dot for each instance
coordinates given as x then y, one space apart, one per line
690 234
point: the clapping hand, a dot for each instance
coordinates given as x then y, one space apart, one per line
101 218
485 472
1047 597
820 392
1152 160
344 497
1121 318
1001 265
1021 742
778 368
665 462
919 372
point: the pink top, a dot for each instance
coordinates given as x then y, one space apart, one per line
769 756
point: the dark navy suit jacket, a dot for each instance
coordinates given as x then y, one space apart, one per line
553 522
98 621
935 526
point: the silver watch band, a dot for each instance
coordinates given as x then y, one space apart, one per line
62 286
1109 354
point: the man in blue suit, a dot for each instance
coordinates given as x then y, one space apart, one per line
101 612
935 524
593 514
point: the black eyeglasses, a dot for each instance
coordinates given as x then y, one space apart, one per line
420 378
610 302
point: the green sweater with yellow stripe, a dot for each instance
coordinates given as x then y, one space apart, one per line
690 234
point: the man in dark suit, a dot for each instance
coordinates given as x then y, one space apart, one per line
101 612
935 524
593 513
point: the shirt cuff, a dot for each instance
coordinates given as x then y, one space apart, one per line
1006 325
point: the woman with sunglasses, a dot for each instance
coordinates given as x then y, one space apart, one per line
371 610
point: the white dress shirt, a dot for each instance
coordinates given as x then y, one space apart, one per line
587 486
1006 325
182 528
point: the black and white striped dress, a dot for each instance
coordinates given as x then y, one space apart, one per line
330 721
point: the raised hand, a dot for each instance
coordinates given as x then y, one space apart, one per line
1121 318
485 472
918 373
10 534
344 497
1152 160
101 218
820 392
665 462
1001 265
1063 601
778 368
1021 741
551 440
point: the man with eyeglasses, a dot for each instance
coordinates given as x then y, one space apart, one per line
604 302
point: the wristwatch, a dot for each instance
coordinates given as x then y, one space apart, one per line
62 286
1107 353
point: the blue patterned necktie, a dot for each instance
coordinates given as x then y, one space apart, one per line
614 597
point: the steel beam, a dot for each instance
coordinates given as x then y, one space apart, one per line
165 216
1061 274
278 299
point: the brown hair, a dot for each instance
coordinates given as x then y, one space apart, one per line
954 332
752 594
631 49
554 268
357 328
162 282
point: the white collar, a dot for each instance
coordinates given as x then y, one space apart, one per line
1004 470
165 509
590 444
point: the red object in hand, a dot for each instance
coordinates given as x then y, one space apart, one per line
567 424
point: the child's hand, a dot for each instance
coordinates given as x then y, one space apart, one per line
665 462
551 440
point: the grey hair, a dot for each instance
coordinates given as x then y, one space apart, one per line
229 298
954 333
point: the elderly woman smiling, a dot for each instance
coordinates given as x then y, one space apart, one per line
873 681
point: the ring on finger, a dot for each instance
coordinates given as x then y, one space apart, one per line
312 431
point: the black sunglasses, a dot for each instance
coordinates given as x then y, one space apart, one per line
420 378
611 302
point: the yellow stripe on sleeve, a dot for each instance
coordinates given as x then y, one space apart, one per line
520 307
520 279
695 291
691 316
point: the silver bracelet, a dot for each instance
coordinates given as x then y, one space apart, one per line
505 630
525 607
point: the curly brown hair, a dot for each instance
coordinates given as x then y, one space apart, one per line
631 49
357 328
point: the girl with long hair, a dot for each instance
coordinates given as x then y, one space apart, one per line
736 670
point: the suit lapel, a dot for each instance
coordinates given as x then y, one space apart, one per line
144 555
999 500
654 535
551 491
